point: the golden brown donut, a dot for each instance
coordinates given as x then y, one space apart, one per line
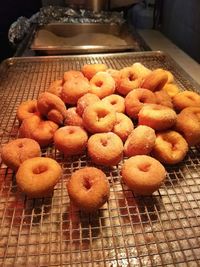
171 89
140 142
99 117
27 109
143 174
186 99
157 117
123 126
71 140
170 147
136 99
170 76
38 129
155 80
17 151
36 177
102 84
117 102
162 98
51 107
140 70
89 70
73 118
88 189
85 101
73 89
128 81
56 87
105 149
188 124
72 74
115 74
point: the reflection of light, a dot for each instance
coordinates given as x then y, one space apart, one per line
124 262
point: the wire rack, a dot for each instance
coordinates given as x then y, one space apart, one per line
159 230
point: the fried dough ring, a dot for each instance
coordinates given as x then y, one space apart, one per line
123 126
89 70
27 109
155 80
186 99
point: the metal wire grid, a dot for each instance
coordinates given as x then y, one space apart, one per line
161 230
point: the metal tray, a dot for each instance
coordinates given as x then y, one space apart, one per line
77 38
159 230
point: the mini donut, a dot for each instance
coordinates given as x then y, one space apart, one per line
186 99
27 109
99 117
155 80
140 70
170 147
117 102
143 174
170 76
157 117
171 89
188 124
123 126
128 81
105 149
72 74
73 89
136 99
85 101
102 84
71 140
51 107
89 70
17 151
56 87
73 118
140 142
88 189
39 130
162 98
37 177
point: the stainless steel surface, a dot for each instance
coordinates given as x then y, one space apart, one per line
61 38
97 5
160 230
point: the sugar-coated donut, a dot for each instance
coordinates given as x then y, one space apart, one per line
143 174
51 107
162 98
102 84
171 89
71 140
36 177
88 188
27 109
73 118
155 80
85 101
128 80
18 150
123 126
188 124
56 87
117 102
73 89
140 142
140 70
186 99
170 147
38 129
99 117
89 70
136 99
105 149
157 117
72 74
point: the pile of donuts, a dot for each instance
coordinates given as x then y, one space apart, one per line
135 113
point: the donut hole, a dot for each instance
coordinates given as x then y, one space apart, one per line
99 83
86 183
131 77
113 102
102 114
71 131
142 99
20 145
32 109
144 167
104 142
39 169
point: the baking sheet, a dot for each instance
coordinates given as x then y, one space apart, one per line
159 230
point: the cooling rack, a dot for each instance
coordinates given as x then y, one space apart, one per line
158 230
